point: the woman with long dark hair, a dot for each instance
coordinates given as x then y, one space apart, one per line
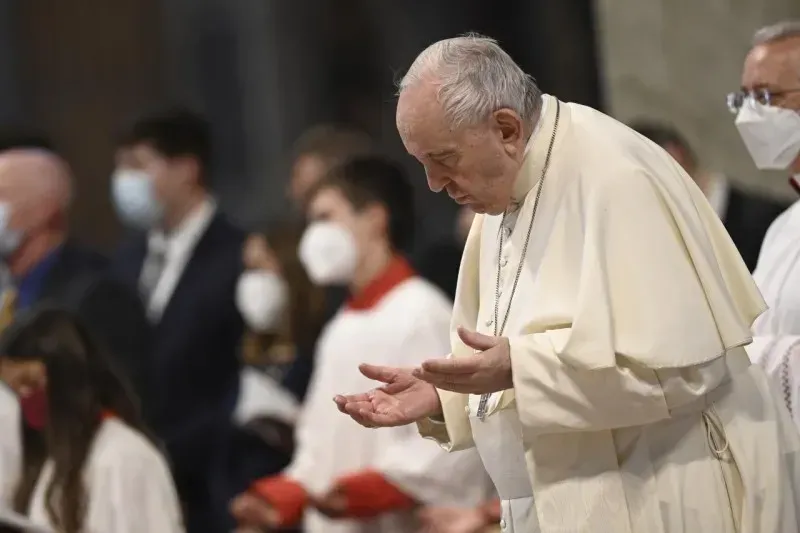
88 465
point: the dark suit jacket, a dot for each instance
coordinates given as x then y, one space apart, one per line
194 369
747 219
79 280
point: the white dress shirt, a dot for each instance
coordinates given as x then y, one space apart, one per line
178 247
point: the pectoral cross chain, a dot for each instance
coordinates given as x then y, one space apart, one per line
499 327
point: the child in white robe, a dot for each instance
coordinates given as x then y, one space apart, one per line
345 478
87 465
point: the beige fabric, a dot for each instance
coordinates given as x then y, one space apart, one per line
630 296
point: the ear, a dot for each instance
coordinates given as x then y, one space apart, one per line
377 216
510 126
190 166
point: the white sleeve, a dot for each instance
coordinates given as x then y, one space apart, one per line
420 467
303 467
10 446
779 356
134 494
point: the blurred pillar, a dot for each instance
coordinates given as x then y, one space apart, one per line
82 72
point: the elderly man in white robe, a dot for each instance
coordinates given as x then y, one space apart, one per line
597 338
768 118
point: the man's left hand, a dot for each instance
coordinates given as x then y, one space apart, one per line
483 373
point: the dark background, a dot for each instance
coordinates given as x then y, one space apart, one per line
263 70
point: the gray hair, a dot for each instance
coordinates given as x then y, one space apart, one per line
476 77
786 29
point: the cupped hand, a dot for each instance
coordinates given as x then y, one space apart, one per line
253 513
402 399
482 373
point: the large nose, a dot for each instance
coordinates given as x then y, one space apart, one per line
436 180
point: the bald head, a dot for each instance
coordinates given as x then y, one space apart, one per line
35 184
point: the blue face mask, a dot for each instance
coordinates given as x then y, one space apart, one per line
134 199
10 239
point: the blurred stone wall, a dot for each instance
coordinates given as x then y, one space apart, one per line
676 60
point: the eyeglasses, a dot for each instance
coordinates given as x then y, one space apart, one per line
736 99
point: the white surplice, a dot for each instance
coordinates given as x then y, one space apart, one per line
776 341
634 407
10 451
407 326
128 486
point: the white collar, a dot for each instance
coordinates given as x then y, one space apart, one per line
536 129
186 235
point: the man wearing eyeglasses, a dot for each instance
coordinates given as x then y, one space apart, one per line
768 119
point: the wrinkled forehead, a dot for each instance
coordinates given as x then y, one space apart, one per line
773 65
422 123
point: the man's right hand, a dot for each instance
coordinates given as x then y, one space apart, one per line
402 399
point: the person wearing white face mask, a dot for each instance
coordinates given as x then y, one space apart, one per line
768 119
344 479
261 294
283 312
184 259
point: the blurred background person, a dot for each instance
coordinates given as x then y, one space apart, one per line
283 310
768 119
42 263
344 478
316 152
10 445
185 260
746 215
88 465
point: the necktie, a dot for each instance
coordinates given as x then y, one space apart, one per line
8 307
152 270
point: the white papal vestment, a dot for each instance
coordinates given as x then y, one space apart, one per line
634 407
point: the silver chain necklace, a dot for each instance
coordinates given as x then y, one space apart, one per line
498 328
